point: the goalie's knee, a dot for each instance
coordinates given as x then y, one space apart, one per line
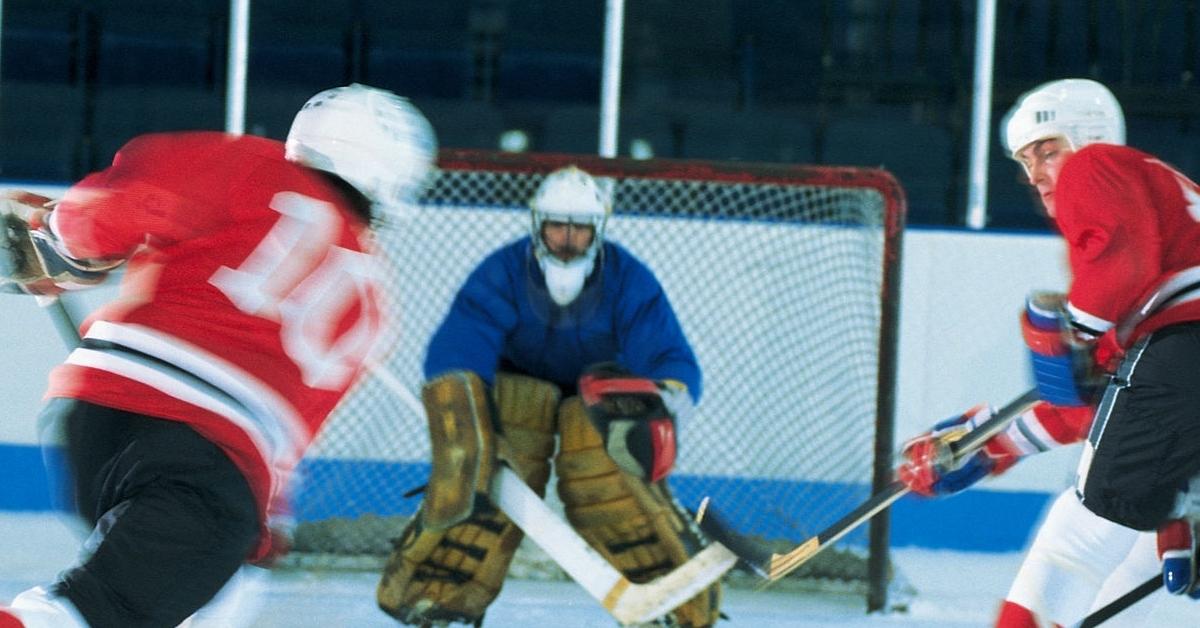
526 407
636 526
453 575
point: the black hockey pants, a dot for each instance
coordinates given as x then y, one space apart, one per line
1144 444
173 517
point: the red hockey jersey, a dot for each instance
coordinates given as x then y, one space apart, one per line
1132 226
248 303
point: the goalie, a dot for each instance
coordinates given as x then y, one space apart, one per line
557 334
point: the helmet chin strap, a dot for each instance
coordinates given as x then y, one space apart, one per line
564 280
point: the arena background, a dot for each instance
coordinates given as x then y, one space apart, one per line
887 83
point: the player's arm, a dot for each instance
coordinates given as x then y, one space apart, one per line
929 469
1061 351
35 260
1067 381
471 336
651 338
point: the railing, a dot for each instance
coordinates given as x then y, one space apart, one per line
78 69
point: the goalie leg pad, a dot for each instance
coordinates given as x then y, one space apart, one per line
636 526
452 575
527 408
443 576
460 435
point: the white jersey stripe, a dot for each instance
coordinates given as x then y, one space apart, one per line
1035 433
276 413
175 386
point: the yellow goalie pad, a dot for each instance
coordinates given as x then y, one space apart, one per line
463 445
453 574
527 407
637 526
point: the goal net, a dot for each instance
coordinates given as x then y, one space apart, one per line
783 278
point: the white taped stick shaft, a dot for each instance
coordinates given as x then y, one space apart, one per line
629 603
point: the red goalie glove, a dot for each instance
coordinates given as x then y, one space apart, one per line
636 418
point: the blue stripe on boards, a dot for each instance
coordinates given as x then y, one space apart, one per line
771 508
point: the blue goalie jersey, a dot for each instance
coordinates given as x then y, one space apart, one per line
504 319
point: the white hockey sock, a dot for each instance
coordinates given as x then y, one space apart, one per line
38 609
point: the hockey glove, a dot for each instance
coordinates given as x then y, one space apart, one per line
32 260
1177 551
1063 367
636 417
929 467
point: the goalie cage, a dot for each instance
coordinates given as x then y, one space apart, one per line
785 280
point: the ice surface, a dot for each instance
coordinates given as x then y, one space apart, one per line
950 590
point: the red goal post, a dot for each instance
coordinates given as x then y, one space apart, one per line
785 279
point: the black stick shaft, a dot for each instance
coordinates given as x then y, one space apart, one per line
774 566
1132 597
64 323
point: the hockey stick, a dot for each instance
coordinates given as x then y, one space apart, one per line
1131 597
64 323
772 566
627 602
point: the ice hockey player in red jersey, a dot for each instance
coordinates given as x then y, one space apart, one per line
1116 360
246 310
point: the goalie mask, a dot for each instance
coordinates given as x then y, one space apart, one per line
567 200
373 139
1080 111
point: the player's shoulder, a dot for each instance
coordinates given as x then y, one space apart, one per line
508 259
193 142
510 252
627 265
623 257
1103 156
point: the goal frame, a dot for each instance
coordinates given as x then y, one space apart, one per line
878 561
895 202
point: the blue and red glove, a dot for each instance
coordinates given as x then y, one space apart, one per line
929 467
636 417
1177 551
1063 367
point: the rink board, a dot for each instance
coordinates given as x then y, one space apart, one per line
935 524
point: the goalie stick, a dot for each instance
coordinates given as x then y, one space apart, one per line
626 601
772 566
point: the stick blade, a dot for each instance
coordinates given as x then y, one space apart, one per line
749 553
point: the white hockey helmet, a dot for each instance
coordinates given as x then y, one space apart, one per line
568 195
373 139
1081 111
